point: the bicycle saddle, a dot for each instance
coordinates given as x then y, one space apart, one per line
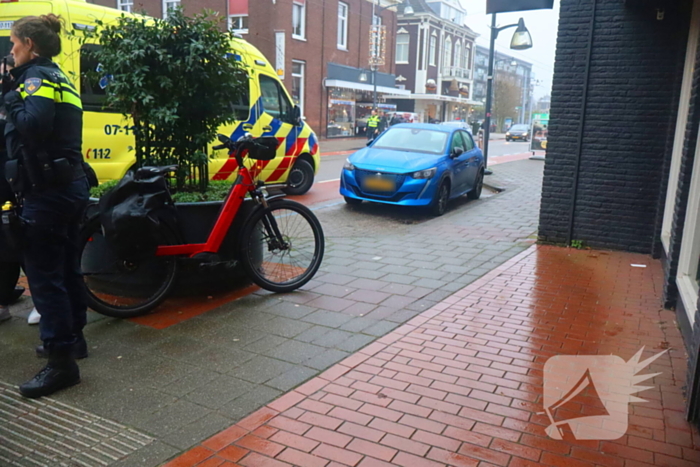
145 172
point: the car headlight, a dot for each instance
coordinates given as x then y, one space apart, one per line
422 174
507 134
525 134
348 165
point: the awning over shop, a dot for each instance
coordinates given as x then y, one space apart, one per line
337 83
237 7
438 97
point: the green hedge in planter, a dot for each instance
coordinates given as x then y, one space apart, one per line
216 191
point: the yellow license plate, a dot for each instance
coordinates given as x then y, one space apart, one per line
379 184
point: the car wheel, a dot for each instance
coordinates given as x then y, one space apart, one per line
508 140
301 177
475 193
442 196
352 201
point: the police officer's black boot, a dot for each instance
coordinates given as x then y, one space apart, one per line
61 372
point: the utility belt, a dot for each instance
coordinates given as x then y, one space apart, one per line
37 171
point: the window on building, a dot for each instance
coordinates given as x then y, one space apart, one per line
433 50
447 56
458 55
125 5
467 56
274 99
298 83
343 10
299 19
376 20
168 6
238 23
402 42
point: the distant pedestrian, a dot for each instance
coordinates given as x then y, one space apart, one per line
383 123
372 125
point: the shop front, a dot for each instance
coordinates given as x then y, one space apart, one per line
433 108
351 98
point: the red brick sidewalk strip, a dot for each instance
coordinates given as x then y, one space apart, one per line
461 384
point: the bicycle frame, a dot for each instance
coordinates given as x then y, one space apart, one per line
244 184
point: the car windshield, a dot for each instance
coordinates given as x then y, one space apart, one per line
413 139
519 128
453 123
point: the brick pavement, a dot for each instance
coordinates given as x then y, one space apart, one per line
187 381
462 383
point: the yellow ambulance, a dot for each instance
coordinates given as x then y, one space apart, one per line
107 137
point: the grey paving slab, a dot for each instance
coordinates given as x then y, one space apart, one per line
261 369
292 378
247 403
218 391
326 359
188 435
284 327
294 351
331 319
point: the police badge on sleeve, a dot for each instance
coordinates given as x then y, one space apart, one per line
32 85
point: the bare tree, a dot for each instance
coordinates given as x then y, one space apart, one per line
506 98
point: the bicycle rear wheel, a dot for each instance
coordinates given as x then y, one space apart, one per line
121 288
292 244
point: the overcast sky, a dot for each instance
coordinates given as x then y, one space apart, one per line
542 25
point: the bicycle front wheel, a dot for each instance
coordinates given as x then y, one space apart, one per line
282 246
120 288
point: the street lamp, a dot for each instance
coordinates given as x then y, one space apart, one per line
521 40
374 58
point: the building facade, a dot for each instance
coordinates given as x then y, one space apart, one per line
435 60
512 69
622 169
321 50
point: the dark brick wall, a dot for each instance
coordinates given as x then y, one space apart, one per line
631 95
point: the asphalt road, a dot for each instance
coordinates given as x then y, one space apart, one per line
332 165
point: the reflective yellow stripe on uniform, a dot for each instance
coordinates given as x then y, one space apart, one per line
65 94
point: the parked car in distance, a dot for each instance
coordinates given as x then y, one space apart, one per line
459 124
519 132
415 165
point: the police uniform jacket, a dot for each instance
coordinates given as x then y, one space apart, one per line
44 112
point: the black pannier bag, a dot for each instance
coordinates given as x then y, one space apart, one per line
132 213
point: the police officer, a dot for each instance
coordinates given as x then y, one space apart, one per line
43 133
372 125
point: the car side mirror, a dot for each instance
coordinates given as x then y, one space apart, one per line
296 116
457 152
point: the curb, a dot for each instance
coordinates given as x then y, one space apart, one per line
497 189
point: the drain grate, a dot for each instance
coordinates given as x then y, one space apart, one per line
46 432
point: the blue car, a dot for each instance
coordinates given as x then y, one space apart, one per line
415 165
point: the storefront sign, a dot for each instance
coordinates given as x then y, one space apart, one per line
503 6
341 102
279 53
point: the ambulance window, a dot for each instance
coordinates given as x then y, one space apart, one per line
92 91
5 46
241 106
275 101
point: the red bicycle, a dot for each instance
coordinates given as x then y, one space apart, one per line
280 246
